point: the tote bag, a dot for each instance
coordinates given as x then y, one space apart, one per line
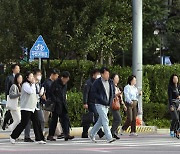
12 104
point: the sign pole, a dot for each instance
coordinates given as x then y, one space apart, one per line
40 63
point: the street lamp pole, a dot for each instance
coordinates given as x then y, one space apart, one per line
137 49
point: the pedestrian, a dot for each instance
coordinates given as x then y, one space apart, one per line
173 95
58 97
54 74
28 110
104 93
15 93
116 113
8 83
37 76
131 99
89 102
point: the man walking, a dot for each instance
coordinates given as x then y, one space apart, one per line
58 97
89 102
104 93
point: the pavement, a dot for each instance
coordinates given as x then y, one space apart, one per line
143 144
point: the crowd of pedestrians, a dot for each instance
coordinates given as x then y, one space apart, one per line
33 103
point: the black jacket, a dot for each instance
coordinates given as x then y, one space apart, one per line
58 96
87 92
8 83
47 85
99 93
173 93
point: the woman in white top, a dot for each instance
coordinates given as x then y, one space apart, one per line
28 110
14 94
131 99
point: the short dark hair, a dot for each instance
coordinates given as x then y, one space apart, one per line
37 70
113 76
94 71
65 74
130 78
54 71
103 69
171 83
13 66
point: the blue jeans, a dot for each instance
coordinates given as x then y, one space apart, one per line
102 121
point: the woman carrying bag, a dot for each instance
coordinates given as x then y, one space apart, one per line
13 101
115 107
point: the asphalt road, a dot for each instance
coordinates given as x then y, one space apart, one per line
143 144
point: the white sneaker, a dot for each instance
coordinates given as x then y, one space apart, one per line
133 134
13 141
92 139
41 142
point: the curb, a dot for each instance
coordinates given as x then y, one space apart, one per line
77 131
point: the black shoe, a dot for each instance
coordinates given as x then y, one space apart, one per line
3 127
28 140
116 137
60 136
101 134
68 138
50 138
84 135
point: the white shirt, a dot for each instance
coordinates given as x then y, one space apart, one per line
131 93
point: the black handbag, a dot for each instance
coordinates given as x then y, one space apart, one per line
88 118
49 105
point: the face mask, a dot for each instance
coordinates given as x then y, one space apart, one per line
98 76
39 77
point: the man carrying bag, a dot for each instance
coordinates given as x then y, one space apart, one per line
89 103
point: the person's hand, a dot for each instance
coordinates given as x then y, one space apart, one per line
171 108
125 108
85 106
44 97
140 93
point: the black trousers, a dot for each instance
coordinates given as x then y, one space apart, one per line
64 120
91 108
116 121
25 117
175 118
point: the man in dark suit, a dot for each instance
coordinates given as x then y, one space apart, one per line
104 92
89 102
8 83
58 97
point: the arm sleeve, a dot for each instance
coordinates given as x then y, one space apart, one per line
13 93
126 94
170 95
86 93
28 89
7 86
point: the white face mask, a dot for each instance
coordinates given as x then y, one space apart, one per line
39 77
98 76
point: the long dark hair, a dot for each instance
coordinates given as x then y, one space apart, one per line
16 81
171 83
26 77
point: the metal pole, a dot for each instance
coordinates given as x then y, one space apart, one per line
40 63
137 49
